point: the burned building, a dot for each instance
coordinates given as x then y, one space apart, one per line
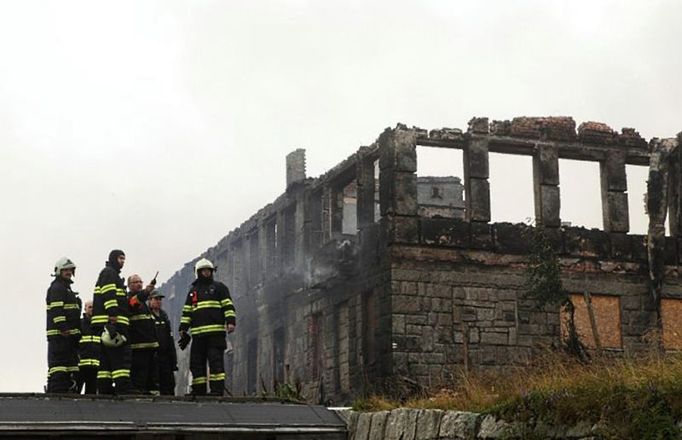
369 273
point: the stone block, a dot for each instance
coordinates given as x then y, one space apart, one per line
613 176
458 425
583 242
671 251
406 304
478 200
615 212
445 232
476 159
478 125
363 426
428 424
401 424
621 246
638 243
405 194
402 229
548 205
407 343
378 425
546 164
511 238
490 338
398 150
481 236
491 428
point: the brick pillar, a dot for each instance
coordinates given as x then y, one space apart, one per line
546 185
398 185
476 185
295 166
614 198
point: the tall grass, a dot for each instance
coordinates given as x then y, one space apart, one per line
627 397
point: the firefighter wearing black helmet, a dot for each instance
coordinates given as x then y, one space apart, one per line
110 317
208 313
63 329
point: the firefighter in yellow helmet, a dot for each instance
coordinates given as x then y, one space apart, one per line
208 313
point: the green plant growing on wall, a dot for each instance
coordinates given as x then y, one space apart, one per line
543 284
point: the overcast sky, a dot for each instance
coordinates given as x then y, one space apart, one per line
158 126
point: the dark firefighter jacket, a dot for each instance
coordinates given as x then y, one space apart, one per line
88 347
207 309
142 327
63 309
166 342
109 300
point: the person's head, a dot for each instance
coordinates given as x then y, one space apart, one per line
88 308
204 269
117 259
134 283
64 268
156 300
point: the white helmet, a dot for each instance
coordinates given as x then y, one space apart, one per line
112 338
63 263
203 264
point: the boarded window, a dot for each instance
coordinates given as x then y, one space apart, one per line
671 310
606 311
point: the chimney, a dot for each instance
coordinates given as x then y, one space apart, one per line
295 167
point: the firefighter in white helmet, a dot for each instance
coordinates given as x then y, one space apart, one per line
63 329
208 313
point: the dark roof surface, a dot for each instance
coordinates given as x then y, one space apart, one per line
41 413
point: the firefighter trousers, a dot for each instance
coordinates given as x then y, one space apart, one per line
208 348
114 370
143 370
62 363
166 376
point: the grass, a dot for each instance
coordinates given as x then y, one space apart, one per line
628 398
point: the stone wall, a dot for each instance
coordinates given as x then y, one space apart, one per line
344 304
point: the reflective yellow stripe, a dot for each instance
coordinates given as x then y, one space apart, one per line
140 317
89 339
111 303
230 314
72 369
186 320
120 373
207 329
144 345
107 288
99 319
217 376
121 292
226 302
73 331
88 363
71 307
54 370
60 318
123 320
54 304
101 374
207 305
198 380
186 308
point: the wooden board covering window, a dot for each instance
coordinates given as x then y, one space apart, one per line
606 315
671 311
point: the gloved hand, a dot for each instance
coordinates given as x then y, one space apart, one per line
184 340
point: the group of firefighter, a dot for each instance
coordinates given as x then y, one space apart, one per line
123 344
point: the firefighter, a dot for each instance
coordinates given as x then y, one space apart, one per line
63 329
143 341
209 313
167 358
88 351
110 317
